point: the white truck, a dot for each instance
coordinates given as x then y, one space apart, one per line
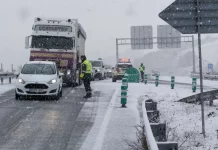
98 69
61 41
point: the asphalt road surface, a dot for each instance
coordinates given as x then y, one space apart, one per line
46 125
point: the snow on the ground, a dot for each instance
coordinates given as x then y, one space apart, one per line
113 125
184 120
6 86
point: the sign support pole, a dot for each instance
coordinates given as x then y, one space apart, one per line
193 53
200 67
117 57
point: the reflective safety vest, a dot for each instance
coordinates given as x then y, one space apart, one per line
88 68
142 68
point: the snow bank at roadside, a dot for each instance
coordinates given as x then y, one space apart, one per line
184 120
7 87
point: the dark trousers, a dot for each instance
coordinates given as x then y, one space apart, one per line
142 75
87 82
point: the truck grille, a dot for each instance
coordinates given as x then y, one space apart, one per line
36 86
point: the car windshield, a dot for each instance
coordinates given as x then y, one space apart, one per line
124 66
52 42
40 69
96 63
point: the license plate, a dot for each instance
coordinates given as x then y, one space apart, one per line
35 90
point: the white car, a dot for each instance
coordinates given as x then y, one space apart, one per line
39 78
99 70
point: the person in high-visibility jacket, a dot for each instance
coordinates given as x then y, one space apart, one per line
142 70
86 68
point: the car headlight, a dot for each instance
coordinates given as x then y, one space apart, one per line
52 81
21 81
68 72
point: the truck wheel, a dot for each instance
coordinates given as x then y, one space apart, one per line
69 84
61 92
100 77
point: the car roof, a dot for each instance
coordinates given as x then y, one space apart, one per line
40 62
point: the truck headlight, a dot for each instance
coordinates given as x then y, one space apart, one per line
21 81
98 70
68 72
52 81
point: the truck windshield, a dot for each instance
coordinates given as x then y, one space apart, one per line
124 66
96 63
40 69
52 42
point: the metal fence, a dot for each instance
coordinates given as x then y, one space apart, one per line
6 76
155 131
206 76
207 96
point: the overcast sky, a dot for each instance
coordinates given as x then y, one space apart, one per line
103 20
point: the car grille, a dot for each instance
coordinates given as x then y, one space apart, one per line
36 86
36 92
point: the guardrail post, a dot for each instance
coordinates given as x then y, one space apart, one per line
150 105
9 80
145 78
157 80
153 116
167 145
2 80
194 84
123 95
172 82
159 131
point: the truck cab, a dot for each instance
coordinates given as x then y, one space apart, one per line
61 41
98 68
119 70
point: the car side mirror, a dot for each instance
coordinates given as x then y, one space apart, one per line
27 42
17 75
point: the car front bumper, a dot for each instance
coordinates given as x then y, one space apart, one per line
35 89
118 77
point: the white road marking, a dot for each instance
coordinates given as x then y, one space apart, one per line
103 129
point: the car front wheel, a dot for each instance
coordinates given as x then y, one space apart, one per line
61 93
17 97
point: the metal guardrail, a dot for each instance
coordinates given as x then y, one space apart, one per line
176 83
207 96
6 75
205 76
151 142
155 132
